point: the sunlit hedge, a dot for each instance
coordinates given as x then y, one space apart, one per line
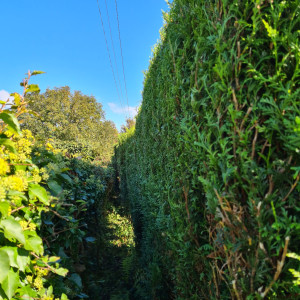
211 172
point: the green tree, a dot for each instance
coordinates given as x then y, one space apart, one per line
129 123
70 118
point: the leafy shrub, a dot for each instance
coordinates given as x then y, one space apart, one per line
211 172
71 227
23 263
50 203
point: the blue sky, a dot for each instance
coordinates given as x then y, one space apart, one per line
65 39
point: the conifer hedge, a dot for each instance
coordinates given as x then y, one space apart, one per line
211 172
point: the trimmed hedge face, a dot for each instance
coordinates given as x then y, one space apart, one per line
212 170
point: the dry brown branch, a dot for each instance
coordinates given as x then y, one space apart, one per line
236 104
271 186
292 188
263 149
48 266
17 209
254 143
245 118
60 216
279 267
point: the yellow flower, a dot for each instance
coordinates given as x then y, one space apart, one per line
32 227
2 193
49 146
23 224
13 156
27 133
15 183
17 200
29 278
21 173
36 178
47 297
4 167
38 283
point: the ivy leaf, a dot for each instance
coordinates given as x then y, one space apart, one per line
20 168
47 222
64 296
32 88
17 98
12 122
12 230
50 290
12 253
23 259
54 259
90 239
8 144
4 207
12 193
55 187
38 191
66 178
76 279
37 73
27 292
62 271
33 242
10 284
4 265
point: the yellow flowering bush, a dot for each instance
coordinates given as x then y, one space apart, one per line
23 265
4 167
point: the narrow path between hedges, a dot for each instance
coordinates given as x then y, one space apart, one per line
111 258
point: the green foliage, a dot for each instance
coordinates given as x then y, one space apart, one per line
122 229
113 277
129 124
211 172
24 265
70 119
48 204
79 187
295 273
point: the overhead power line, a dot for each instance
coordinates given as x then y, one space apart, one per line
112 69
113 48
122 54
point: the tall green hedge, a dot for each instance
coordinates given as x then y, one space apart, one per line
211 173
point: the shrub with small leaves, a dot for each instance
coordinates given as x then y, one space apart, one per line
212 171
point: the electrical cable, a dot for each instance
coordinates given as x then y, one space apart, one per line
113 48
122 54
109 54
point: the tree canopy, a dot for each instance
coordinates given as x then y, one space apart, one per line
70 118
129 124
